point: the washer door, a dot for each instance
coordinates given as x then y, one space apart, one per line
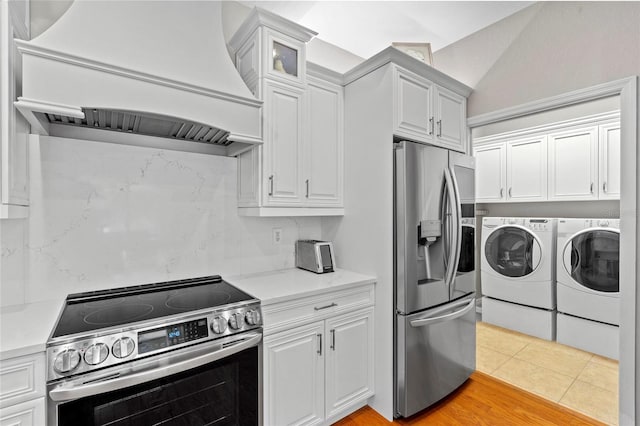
513 251
592 259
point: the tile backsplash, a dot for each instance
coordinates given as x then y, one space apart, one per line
105 215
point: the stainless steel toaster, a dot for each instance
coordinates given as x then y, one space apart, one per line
315 256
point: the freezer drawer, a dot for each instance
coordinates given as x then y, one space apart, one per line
435 354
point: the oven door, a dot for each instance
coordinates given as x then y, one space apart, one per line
214 383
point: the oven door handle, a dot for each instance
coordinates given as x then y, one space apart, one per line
67 393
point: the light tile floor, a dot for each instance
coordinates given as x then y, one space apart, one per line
579 380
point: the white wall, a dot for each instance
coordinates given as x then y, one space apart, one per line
560 47
106 215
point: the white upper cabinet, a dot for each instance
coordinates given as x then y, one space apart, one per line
428 112
514 170
491 166
451 119
527 169
577 159
14 129
573 164
323 150
299 169
609 147
284 109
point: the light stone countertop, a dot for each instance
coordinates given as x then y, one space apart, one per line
288 284
24 329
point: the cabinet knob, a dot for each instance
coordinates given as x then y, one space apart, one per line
431 126
271 185
509 192
501 192
591 188
604 187
439 128
307 183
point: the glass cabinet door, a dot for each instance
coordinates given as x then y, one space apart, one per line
595 260
512 251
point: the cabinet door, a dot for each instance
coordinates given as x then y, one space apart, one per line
323 151
609 145
14 129
490 173
29 413
413 115
527 169
451 125
573 162
294 376
349 360
282 146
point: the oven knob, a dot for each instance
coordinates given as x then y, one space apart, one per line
235 321
123 347
66 361
219 325
96 354
252 317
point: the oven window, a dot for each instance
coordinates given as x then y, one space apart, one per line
222 393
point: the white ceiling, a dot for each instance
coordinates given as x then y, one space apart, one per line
367 27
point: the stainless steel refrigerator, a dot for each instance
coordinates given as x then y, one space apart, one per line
434 279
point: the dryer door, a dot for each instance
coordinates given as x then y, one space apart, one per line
513 251
592 258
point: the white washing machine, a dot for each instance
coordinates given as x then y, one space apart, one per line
588 270
518 274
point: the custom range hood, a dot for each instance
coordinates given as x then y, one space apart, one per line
136 71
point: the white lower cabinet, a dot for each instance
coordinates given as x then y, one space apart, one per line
316 372
318 358
22 390
30 413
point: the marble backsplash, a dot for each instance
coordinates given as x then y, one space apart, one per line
105 215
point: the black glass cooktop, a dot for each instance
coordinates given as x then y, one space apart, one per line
85 312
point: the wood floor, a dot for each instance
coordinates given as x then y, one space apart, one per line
482 400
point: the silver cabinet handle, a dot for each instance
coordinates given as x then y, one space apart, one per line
439 128
316 308
146 371
307 183
333 339
431 126
509 192
271 185
501 192
319 343
604 187
591 187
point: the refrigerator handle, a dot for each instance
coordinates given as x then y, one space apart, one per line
457 228
454 249
430 320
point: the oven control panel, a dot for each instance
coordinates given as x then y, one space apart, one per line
175 334
81 355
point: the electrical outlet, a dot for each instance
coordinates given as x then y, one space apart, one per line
277 235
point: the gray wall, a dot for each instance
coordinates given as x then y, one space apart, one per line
547 49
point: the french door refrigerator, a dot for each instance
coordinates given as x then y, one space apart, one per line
434 279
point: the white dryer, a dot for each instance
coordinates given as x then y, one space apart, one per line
588 284
518 274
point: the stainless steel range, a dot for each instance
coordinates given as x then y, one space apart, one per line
179 352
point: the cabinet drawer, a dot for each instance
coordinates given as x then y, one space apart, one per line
30 413
21 379
293 313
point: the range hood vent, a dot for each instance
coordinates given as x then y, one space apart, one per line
158 69
143 124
